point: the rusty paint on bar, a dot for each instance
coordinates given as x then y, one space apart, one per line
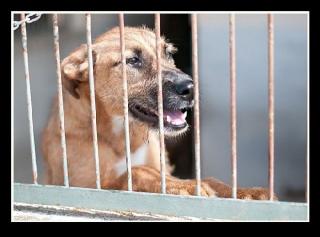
125 101
195 75
29 101
160 105
60 97
93 102
233 104
271 104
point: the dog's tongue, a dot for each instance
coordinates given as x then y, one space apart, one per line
176 117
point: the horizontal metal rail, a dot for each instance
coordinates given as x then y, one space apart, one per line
165 204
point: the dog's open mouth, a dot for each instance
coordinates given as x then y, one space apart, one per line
173 119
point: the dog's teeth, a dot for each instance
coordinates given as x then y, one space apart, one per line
175 118
185 115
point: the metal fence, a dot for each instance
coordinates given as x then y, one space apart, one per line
233 101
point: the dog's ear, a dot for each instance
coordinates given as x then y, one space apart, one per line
74 69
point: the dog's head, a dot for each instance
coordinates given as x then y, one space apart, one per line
142 79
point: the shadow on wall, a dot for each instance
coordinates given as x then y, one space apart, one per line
290 94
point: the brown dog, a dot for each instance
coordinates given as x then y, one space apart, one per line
142 95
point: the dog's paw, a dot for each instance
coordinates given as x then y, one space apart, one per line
188 187
256 193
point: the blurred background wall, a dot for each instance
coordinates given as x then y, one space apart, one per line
251 33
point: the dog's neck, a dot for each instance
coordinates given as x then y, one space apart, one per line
110 128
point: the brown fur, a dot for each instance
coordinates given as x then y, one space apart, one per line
109 103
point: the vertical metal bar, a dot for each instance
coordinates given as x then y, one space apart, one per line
195 75
307 195
271 103
233 105
29 102
125 101
160 105
307 189
93 101
306 178
60 97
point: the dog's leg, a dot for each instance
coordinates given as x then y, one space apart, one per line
47 176
224 190
147 179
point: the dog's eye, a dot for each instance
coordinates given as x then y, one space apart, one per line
134 61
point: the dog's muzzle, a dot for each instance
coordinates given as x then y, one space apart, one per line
177 99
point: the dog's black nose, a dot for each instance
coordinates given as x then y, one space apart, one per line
184 88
